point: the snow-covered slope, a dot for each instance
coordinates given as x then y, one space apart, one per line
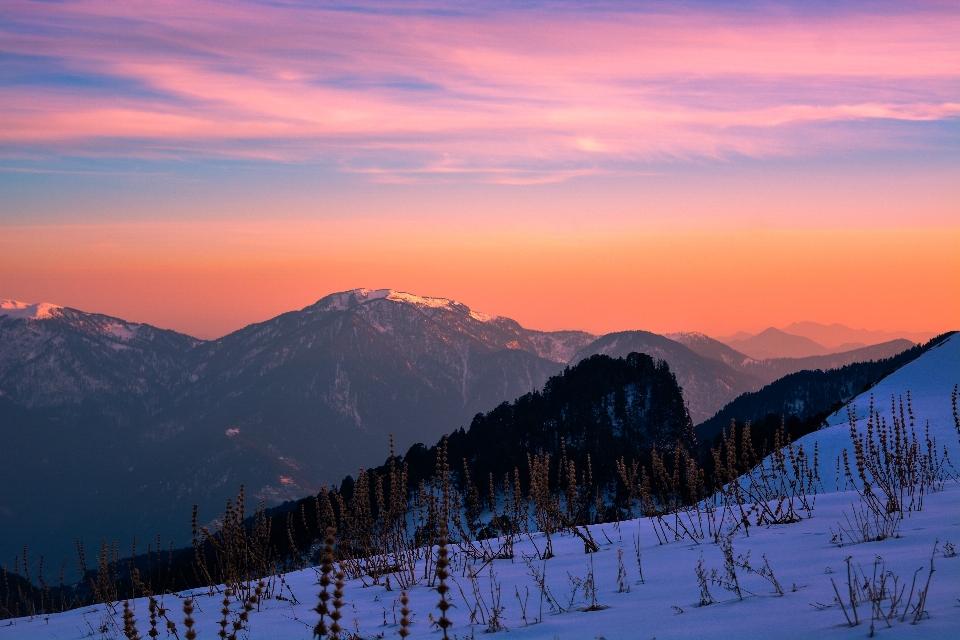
664 606
929 380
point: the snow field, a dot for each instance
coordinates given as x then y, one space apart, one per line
800 554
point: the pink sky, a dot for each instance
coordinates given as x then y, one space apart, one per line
530 161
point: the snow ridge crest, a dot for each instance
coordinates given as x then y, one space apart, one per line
34 311
345 300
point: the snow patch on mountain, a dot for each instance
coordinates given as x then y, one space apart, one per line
31 311
421 301
120 330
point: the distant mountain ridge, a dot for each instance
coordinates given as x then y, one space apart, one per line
773 343
810 395
771 369
775 368
59 356
805 339
836 336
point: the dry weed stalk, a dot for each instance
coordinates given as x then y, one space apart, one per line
405 622
129 623
442 574
881 589
893 470
622 583
703 580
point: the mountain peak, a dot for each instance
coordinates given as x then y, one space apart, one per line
35 311
774 343
355 297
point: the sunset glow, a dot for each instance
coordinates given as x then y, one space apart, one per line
710 166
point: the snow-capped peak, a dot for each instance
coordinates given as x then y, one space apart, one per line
349 299
35 311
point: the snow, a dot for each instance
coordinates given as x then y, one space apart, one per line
666 604
122 331
800 555
35 311
355 297
420 301
929 379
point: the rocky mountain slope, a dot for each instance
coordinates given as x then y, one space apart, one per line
138 424
54 356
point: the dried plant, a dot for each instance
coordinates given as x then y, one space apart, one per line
703 580
188 621
523 602
622 583
129 623
442 574
765 572
405 621
892 472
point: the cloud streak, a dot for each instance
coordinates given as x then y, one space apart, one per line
502 93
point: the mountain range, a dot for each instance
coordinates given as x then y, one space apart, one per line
137 423
806 339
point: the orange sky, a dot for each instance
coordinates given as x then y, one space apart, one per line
665 166
209 278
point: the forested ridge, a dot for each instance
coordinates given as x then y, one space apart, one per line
802 401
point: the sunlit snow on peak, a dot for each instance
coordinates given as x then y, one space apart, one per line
421 301
355 297
348 299
35 311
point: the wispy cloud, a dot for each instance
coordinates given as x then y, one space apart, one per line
504 93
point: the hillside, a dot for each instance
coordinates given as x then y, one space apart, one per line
155 421
598 406
809 396
707 384
929 380
774 368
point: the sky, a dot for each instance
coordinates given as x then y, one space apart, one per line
709 166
